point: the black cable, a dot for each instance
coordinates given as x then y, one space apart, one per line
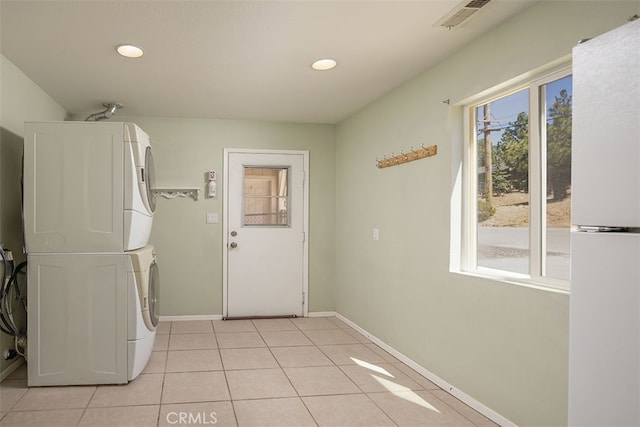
9 330
14 280
6 332
4 267
4 292
5 326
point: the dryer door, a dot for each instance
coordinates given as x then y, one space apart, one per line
149 179
154 289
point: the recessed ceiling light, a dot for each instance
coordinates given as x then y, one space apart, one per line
324 64
130 51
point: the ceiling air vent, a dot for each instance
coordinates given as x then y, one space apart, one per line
461 13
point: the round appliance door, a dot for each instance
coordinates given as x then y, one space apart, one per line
150 178
154 289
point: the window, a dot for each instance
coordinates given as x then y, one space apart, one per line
517 203
265 196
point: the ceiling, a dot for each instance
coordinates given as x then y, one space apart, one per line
233 59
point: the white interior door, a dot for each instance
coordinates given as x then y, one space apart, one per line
265 233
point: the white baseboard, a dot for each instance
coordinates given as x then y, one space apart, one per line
219 316
190 317
321 313
458 394
9 369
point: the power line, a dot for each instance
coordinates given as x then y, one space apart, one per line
513 124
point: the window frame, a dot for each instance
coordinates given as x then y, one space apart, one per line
535 84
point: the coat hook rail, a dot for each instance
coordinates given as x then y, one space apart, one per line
410 156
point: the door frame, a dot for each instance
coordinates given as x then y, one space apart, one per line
225 222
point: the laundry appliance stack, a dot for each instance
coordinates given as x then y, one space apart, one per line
92 276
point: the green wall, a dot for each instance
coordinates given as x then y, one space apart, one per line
189 250
504 345
20 100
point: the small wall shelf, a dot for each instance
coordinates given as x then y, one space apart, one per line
173 192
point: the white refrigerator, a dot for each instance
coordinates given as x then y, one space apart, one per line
604 344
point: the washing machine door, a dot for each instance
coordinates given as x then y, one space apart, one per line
150 179
154 288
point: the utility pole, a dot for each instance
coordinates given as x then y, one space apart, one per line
488 163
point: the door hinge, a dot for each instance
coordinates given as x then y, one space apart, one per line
304 236
302 298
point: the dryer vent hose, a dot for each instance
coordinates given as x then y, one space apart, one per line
111 108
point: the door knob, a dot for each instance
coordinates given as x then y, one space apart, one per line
233 245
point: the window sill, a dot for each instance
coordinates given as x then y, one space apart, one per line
524 281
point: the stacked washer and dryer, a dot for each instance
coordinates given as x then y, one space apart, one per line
92 276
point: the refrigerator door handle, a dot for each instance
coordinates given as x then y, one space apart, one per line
601 229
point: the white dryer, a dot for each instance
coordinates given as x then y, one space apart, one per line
143 307
92 317
87 187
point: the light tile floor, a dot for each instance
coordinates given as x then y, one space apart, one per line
268 372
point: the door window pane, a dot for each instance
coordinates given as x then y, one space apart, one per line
265 196
557 97
502 182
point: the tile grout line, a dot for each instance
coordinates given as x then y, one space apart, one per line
224 371
84 410
270 348
164 374
289 379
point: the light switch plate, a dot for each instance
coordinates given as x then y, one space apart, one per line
212 218
376 234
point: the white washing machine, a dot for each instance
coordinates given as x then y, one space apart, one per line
143 289
87 187
92 317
